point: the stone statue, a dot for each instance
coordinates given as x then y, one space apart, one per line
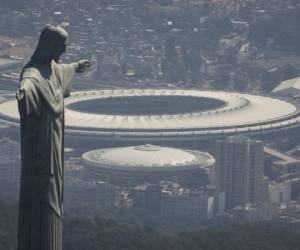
44 83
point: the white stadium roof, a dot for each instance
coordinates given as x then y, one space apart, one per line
241 113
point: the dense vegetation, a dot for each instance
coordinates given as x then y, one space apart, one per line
105 234
281 27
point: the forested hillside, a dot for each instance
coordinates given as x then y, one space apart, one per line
104 234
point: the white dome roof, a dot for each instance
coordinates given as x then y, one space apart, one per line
147 156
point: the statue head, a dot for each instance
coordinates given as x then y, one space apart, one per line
51 45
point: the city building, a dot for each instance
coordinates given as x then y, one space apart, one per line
251 213
147 197
74 168
219 203
295 188
239 170
187 204
288 88
172 201
280 192
87 196
282 163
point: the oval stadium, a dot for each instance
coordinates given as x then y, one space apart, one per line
174 117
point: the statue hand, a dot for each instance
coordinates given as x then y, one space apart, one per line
83 66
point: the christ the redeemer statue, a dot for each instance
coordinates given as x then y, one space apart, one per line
44 83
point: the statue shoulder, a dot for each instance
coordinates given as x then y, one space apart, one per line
31 73
26 87
26 84
28 79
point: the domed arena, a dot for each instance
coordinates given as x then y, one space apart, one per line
173 117
148 160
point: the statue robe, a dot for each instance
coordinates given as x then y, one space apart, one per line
41 106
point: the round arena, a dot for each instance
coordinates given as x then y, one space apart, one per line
148 161
183 118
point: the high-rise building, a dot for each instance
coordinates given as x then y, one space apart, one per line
239 170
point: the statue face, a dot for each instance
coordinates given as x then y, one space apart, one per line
59 50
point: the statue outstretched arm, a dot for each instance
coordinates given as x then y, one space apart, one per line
68 71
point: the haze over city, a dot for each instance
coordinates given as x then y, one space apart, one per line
183 134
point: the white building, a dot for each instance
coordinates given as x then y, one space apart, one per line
252 213
197 206
280 192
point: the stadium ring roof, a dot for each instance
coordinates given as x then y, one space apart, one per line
230 113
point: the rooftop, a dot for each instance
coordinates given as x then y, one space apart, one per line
147 156
281 155
237 113
291 83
